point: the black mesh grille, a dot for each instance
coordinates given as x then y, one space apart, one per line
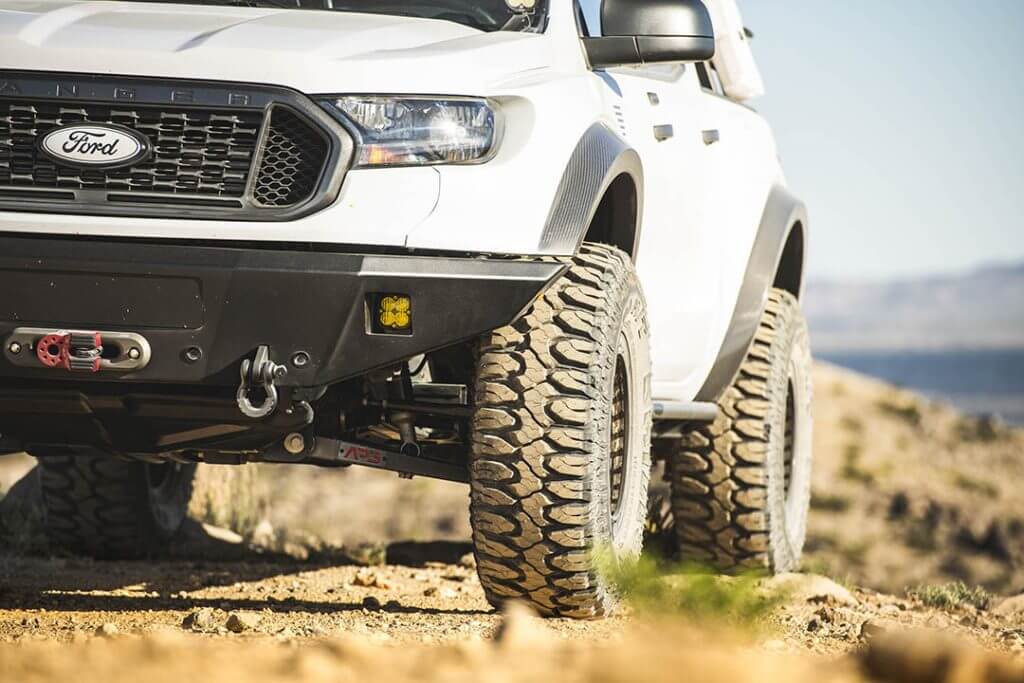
195 151
293 160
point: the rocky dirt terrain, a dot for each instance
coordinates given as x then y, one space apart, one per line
303 574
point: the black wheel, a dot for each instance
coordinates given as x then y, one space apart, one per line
741 486
561 439
108 508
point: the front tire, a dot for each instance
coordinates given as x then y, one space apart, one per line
561 440
741 485
107 508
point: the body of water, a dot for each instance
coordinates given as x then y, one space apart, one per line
977 382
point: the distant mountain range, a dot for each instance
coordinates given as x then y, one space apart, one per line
980 309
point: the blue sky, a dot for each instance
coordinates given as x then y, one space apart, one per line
900 123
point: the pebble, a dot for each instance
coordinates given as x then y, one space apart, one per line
370 602
240 622
468 561
200 620
107 630
365 579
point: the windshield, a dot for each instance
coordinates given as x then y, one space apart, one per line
485 15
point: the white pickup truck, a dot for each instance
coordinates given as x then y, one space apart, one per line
522 244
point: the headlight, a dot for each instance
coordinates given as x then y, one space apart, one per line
414 131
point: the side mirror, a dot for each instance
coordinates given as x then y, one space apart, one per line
651 31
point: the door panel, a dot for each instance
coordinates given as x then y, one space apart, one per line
659 110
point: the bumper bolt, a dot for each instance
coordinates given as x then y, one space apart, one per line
300 359
294 443
14 348
134 353
192 354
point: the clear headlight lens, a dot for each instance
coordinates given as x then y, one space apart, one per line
403 131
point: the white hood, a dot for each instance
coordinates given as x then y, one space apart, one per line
311 51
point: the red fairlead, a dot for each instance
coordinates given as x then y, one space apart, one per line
71 351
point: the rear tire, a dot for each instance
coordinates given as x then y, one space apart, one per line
561 440
741 485
108 508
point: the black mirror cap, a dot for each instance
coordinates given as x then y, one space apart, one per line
651 32
669 18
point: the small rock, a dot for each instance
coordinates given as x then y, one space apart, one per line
240 622
200 620
263 534
107 630
811 588
392 605
468 561
370 602
295 551
365 579
223 535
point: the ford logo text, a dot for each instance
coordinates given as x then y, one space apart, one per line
95 146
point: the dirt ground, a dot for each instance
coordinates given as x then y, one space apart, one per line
303 574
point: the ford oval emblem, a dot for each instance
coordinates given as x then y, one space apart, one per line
95 145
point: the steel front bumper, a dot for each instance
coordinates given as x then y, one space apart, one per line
204 309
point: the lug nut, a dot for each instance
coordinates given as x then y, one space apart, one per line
294 443
134 353
14 348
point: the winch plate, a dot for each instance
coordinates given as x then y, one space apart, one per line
77 350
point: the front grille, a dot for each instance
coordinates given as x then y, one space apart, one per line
195 152
231 151
293 157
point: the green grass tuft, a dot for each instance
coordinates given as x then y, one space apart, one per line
691 592
954 595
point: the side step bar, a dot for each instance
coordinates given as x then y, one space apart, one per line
685 411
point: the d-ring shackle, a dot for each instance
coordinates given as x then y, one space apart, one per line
260 373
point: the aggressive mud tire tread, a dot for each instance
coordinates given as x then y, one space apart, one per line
721 502
542 408
100 506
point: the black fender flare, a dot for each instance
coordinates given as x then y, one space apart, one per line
599 158
783 213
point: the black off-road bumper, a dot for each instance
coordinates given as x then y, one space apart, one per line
203 309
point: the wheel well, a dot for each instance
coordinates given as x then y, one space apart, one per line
615 221
790 273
